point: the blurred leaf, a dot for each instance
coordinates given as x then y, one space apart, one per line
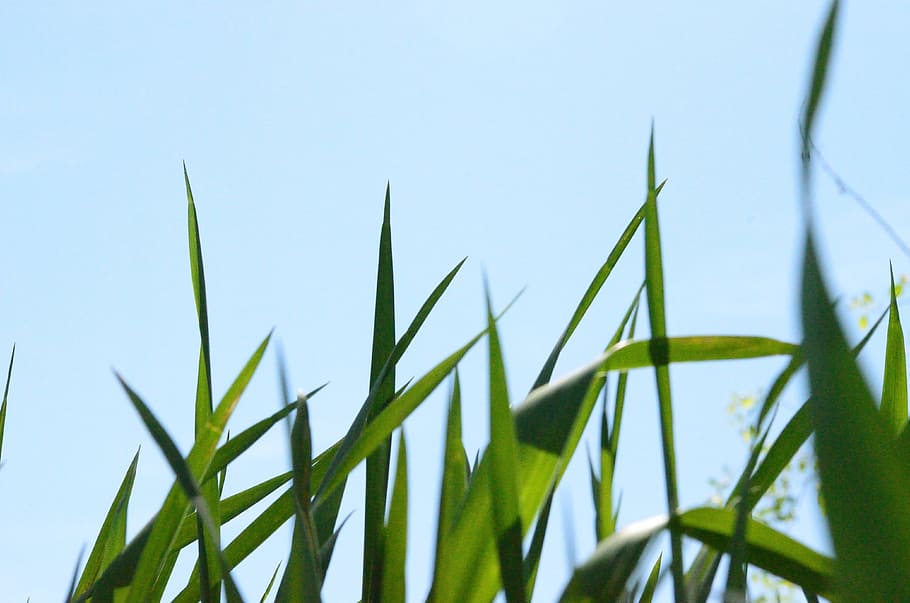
817 87
894 382
862 481
603 577
503 466
396 532
532 559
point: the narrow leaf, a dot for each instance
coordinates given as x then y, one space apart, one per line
395 538
894 382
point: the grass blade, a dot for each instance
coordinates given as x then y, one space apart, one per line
9 378
894 382
656 314
503 461
587 299
454 469
857 460
366 410
396 532
647 594
302 580
268 588
377 469
112 535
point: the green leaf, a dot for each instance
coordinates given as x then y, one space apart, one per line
112 535
766 548
863 482
532 559
9 378
395 540
503 466
894 382
377 469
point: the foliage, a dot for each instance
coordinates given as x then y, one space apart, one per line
494 513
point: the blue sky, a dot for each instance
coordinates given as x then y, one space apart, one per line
514 134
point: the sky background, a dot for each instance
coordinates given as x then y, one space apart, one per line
514 133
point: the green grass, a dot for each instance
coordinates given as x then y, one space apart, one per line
493 514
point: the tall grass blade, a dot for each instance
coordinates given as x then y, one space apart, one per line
204 403
864 485
112 535
454 469
894 382
373 399
71 591
377 469
657 318
395 539
503 466
535 549
9 378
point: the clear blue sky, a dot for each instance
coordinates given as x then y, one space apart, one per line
513 133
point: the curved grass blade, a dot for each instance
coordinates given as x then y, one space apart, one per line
190 488
395 539
377 466
454 469
549 424
503 455
112 535
894 382
603 577
153 553
863 482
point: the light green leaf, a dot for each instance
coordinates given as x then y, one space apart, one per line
396 532
894 382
